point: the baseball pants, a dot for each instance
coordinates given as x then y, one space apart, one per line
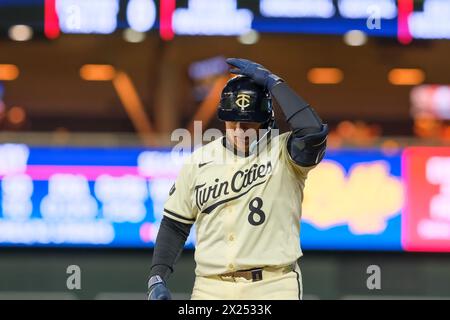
273 286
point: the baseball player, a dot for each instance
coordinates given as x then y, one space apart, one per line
246 209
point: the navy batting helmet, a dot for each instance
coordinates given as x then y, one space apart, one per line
245 101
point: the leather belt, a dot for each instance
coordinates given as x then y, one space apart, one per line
257 273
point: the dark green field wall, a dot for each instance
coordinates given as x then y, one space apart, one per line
121 274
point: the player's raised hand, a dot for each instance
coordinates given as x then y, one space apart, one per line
254 70
157 289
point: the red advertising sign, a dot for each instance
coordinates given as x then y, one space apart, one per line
426 213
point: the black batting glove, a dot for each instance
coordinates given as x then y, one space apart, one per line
157 289
254 70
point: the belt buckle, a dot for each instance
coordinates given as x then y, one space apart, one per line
228 277
256 274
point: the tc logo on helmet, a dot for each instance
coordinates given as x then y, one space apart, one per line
243 100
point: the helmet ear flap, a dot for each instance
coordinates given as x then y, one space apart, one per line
270 124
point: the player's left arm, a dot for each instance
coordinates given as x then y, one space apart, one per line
308 140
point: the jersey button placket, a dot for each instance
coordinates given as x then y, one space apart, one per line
229 225
231 238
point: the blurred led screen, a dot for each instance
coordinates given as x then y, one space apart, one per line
423 19
426 222
113 197
83 196
353 200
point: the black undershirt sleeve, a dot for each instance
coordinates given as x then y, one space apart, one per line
299 114
307 143
169 245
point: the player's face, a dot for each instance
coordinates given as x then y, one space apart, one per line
241 134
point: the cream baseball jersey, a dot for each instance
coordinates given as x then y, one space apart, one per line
246 210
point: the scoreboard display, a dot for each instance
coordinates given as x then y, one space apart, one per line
405 19
82 196
114 197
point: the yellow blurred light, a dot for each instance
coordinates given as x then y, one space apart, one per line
406 77
133 36
390 147
325 75
249 38
427 126
334 140
8 72
20 32
97 72
346 129
16 115
355 38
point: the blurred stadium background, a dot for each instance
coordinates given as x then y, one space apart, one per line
91 91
